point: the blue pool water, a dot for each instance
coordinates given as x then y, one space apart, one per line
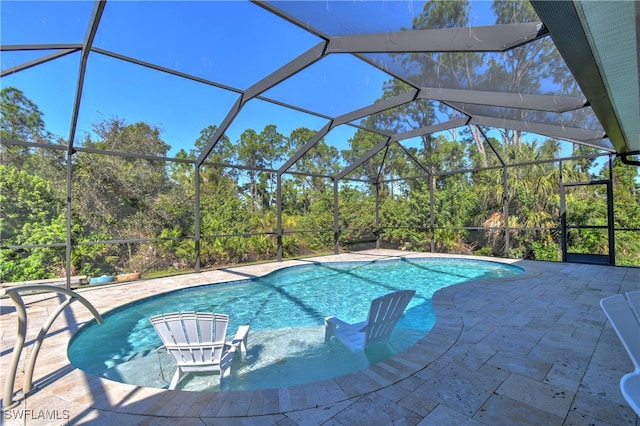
286 311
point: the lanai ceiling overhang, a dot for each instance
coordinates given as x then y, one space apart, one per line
600 42
591 99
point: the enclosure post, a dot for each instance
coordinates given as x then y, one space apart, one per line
279 216
336 223
505 192
196 176
610 216
67 254
432 218
563 217
377 215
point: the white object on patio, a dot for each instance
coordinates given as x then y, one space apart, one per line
623 312
384 313
196 340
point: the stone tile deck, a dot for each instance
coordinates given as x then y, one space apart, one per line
531 350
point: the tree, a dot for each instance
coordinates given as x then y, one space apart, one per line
274 147
249 154
31 214
21 120
362 142
447 69
223 152
299 191
532 197
357 213
626 189
119 197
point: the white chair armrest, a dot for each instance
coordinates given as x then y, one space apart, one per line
340 323
240 339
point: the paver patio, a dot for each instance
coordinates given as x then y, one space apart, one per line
535 349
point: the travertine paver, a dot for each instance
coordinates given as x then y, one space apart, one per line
552 399
531 350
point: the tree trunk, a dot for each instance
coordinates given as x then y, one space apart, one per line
478 139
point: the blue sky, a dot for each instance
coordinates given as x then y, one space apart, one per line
234 43
210 46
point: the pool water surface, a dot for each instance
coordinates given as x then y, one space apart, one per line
286 311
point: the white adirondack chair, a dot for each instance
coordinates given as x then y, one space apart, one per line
196 340
624 315
384 313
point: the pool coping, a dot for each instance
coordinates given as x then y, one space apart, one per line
354 262
447 328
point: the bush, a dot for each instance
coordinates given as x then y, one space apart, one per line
545 251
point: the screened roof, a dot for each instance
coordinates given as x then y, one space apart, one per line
568 70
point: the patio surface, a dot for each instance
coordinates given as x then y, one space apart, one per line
531 350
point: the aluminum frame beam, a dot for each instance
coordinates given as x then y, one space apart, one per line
415 160
301 62
226 122
425 131
366 156
384 105
202 80
163 69
493 148
54 146
96 14
391 42
452 124
38 61
495 38
92 29
572 134
549 103
295 21
381 168
21 47
306 147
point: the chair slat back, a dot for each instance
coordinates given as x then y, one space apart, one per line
177 335
221 323
384 314
204 322
192 338
189 322
625 322
162 328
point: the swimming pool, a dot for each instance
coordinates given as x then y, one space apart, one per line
286 311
